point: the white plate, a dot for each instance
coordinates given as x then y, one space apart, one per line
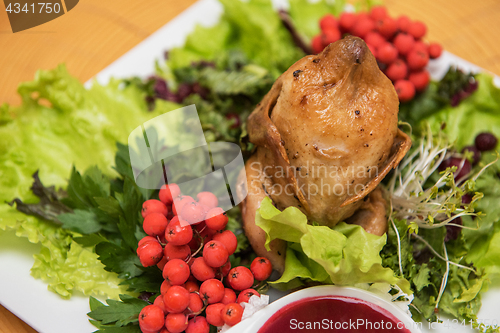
45 311
258 319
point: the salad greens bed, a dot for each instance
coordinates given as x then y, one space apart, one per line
88 220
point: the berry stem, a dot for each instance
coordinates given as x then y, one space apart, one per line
202 244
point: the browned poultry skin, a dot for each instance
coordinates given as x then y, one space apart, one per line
253 185
326 133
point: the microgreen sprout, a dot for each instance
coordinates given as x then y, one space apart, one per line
444 281
427 203
429 199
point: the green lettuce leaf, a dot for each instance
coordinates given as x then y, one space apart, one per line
251 26
60 124
475 114
344 254
482 237
65 265
306 14
298 267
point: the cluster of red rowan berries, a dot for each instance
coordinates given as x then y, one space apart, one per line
396 43
188 242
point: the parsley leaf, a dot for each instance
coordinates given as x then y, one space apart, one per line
120 313
82 221
118 259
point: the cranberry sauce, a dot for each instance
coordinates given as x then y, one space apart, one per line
332 313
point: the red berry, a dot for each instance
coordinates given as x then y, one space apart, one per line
159 302
403 23
143 330
397 70
229 296
193 212
240 278
150 253
405 90
214 314
347 21
245 295
176 322
363 26
378 13
165 286
216 219
362 16
235 118
387 53
168 193
232 314
151 318
228 238
485 141
330 35
261 268
476 157
178 232
226 268
317 44
176 252
435 50
387 27
195 303
215 254
191 286
420 46
212 291
176 299
198 325
153 206
155 224
404 43
161 264
374 38
179 202
194 244
417 29
207 234
464 167
417 60
201 271
176 272
328 22
420 79
146 239
207 199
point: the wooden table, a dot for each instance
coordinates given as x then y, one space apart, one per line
96 32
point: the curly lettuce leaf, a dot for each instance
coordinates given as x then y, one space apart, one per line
65 265
60 124
475 114
346 253
483 238
251 26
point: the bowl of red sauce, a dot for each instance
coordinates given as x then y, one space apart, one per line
329 309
